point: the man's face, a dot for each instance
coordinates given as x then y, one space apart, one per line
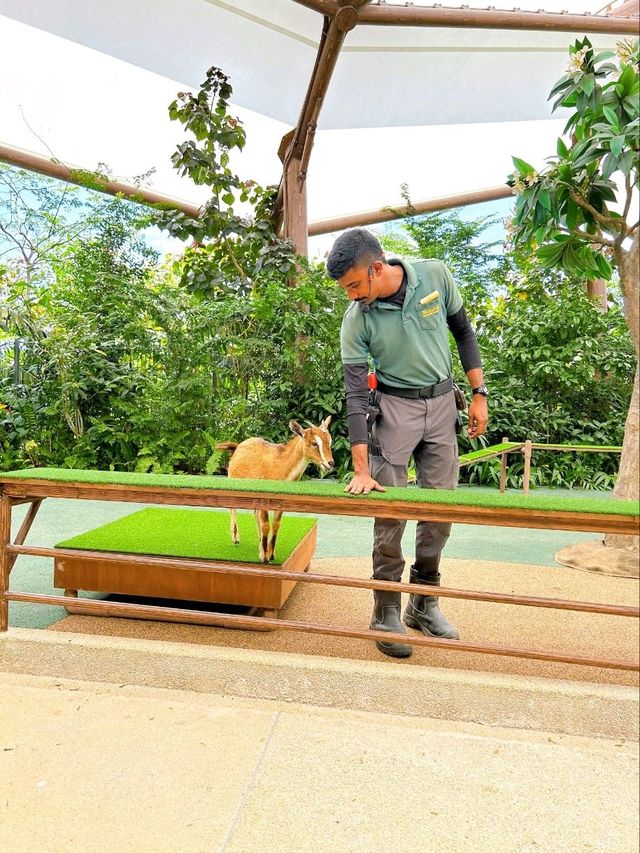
360 284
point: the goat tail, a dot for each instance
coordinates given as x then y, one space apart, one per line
227 445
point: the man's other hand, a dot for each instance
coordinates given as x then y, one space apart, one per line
362 484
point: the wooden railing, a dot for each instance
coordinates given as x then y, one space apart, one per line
526 448
15 491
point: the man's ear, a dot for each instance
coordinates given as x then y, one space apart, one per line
295 427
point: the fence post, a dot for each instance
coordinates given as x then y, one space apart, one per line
527 466
5 561
503 468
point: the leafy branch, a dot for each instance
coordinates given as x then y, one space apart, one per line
563 212
228 250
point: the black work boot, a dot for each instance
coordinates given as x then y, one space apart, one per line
386 617
423 611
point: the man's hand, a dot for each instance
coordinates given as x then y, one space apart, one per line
362 484
478 416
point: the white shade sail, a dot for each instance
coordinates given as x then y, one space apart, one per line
386 76
439 109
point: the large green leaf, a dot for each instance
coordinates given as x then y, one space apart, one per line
611 116
522 166
616 145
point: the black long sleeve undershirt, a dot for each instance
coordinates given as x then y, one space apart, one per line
355 375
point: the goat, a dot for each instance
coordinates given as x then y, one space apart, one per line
257 459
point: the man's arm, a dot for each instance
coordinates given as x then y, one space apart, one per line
469 353
357 393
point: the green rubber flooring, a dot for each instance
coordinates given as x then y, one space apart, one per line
338 536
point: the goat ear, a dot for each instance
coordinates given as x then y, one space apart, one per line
295 427
325 423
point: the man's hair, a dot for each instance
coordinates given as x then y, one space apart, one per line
351 249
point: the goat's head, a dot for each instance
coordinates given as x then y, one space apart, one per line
317 443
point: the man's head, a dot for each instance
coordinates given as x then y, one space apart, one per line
356 261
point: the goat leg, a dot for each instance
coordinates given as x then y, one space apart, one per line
235 535
262 522
275 527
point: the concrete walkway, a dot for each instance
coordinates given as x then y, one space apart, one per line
98 767
125 735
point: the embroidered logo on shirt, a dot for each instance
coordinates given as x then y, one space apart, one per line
430 311
430 297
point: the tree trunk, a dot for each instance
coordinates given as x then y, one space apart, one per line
628 483
620 554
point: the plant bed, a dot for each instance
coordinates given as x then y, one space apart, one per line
184 534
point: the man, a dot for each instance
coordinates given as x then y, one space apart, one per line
400 316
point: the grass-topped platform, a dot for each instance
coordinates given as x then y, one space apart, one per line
328 497
489 452
185 535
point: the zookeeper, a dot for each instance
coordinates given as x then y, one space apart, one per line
399 317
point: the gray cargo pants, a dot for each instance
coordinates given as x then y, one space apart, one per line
426 430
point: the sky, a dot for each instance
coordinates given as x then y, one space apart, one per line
61 99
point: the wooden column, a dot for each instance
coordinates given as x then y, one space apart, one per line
597 290
5 559
295 148
294 211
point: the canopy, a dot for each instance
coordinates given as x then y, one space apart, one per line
385 76
440 109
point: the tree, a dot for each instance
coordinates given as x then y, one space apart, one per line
228 250
566 212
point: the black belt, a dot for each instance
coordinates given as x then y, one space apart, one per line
418 393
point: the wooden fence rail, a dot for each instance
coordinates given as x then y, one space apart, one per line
17 491
526 448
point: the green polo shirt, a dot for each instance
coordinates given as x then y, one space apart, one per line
409 345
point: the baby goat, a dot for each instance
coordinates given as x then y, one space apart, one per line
257 459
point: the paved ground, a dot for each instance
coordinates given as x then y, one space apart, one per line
95 767
562 632
95 756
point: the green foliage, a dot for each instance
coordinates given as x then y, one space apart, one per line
228 250
564 211
121 367
456 241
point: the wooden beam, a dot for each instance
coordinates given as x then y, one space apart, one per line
53 169
75 175
291 198
99 607
278 573
496 19
386 214
325 7
503 516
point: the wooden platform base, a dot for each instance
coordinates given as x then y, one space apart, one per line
264 596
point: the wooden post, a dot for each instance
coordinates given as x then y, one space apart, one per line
5 560
527 466
597 292
295 206
503 468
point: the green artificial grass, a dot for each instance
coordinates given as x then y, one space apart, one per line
331 489
189 533
495 448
